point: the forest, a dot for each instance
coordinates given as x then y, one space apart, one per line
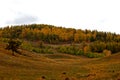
82 42
48 52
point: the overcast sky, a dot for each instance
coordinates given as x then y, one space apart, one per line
102 15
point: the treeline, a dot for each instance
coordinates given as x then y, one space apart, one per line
97 41
99 47
51 34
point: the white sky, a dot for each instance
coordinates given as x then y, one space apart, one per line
102 15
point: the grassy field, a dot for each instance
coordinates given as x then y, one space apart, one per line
57 66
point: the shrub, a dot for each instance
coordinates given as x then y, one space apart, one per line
70 50
94 55
76 51
80 52
62 49
97 46
107 52
86 49
39 50
27 46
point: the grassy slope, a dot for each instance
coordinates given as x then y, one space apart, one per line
31 66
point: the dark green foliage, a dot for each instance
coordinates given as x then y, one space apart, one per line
99 46
76 51
37 47
70 50
13 45
38 50
94 55
114 47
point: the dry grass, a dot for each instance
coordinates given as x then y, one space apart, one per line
32 66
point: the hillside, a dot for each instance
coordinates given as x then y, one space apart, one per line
48 52
39 38
58 66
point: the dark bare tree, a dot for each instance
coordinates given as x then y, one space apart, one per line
13 45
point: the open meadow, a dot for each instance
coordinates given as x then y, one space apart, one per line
57 66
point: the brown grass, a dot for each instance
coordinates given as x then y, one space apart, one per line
32 66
